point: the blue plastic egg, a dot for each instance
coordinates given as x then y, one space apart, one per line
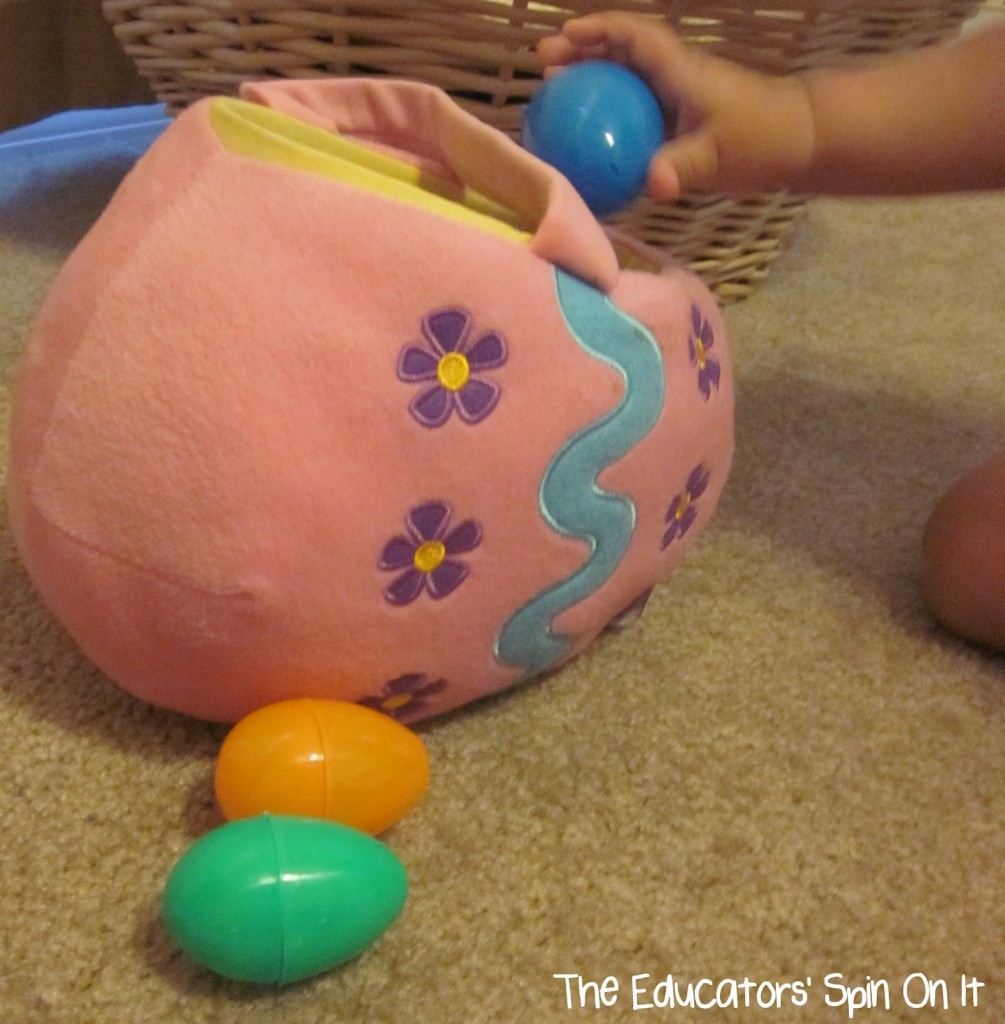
276 899
600 125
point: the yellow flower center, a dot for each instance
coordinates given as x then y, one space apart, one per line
682 505
398 701
453 371
699 353
429 555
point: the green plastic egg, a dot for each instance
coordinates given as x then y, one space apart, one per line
276 899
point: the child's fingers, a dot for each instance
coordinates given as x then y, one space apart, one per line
556 50
564 56
646 46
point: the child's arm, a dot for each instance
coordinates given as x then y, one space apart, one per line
930 121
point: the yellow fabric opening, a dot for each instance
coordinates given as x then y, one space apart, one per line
262 133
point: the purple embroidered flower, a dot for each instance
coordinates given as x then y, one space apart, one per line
426 554
699 344
682 512
405 696
448 365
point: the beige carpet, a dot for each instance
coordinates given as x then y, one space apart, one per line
786 773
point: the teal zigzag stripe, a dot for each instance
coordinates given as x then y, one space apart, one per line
570 499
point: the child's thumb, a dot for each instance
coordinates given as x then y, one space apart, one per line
684 164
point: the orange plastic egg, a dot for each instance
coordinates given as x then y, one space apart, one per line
321 759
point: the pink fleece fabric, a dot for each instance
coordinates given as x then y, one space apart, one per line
213 459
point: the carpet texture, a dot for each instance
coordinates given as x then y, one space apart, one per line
785 773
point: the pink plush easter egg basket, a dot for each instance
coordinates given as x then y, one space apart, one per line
346 395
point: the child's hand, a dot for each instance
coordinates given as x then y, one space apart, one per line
736 131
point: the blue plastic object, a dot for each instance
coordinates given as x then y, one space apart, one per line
600 125
69 143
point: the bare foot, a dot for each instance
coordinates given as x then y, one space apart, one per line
963 556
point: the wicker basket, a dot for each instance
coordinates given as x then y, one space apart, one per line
482 52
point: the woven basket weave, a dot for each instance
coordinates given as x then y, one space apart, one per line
482 52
